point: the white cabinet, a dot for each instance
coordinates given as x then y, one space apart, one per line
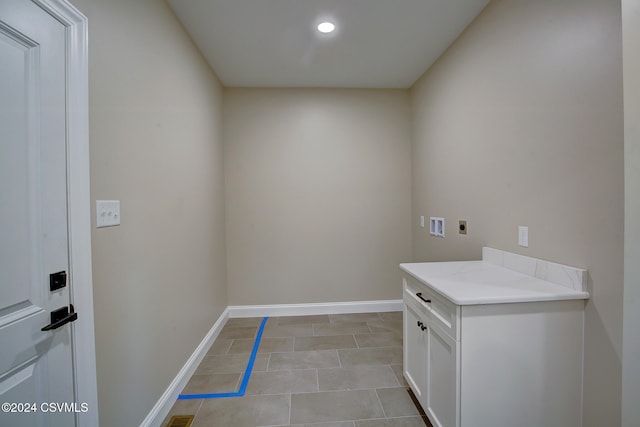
494 364
430 352
442 381
416 338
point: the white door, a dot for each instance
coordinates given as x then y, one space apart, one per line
36 370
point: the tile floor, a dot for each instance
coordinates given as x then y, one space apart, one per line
342 370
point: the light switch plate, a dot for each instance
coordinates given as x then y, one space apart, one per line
523 236
107 213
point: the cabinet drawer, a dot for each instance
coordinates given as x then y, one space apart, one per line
419 307
417 297
442 313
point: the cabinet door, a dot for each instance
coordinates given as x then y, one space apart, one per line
442 381
415 352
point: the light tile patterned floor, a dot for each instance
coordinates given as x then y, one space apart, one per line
342 370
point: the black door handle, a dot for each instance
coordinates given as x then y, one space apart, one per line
419 295
61 317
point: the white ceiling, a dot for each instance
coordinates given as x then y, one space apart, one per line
274 43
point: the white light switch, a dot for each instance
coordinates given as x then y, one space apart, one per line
422 221
107 213
523 236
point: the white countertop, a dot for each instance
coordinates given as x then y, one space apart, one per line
482 282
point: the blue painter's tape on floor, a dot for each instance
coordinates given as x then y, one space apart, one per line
245 379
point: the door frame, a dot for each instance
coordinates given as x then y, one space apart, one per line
79 205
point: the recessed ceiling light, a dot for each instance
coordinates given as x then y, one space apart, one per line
326 27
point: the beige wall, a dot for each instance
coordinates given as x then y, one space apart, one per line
631 343
317 194
521 123
159 279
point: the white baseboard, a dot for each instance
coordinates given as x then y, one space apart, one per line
317 308
168 398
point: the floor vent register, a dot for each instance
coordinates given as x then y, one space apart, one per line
181 421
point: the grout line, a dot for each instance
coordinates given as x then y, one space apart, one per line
237 386
198 410
317 380
394 376
290 405
380 402
369 327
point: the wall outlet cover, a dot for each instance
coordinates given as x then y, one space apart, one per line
462 226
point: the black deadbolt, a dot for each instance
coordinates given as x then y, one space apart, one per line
57 280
